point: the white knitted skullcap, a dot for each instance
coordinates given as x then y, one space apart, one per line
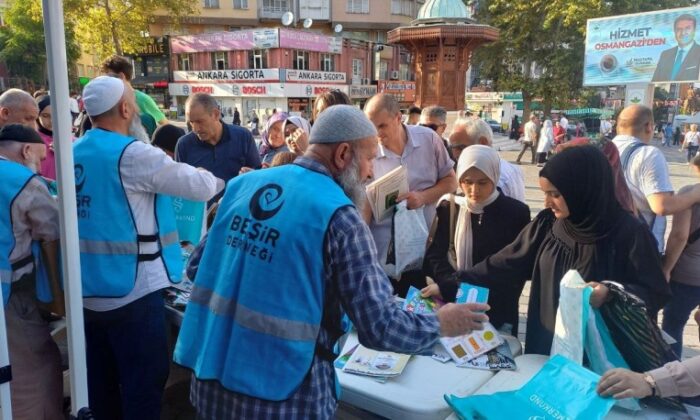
341 123
102 94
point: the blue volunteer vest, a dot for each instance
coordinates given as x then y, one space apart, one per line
14 178
109 241
256 307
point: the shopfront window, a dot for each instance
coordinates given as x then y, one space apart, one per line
301 60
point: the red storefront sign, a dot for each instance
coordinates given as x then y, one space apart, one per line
202 89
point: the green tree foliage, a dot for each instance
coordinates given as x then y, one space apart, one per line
541 46
118 26
22 44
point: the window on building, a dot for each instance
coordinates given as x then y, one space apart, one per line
185 62
211 4
301 60
276 6
327 62
357 65
358 6
257 59
402 7
383 70
240 4
219 60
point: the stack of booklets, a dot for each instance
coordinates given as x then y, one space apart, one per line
483 349
383 192
380 365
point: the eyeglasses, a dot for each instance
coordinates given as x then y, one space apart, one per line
431 126
458 147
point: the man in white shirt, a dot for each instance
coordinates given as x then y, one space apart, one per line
646 172
430 171
127 250
470 131
530 136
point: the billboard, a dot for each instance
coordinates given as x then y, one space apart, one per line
653 47
248 39
311 41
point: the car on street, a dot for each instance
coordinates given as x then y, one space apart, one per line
495 126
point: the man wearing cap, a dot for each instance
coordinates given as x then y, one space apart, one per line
28 225
129 250
430 173
266 307
18 107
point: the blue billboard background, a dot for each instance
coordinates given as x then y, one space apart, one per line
627 49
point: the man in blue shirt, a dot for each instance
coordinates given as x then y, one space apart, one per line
222 149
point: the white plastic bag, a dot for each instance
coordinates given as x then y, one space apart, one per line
572 317
581 328
409 234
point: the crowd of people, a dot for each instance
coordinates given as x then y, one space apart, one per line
294 247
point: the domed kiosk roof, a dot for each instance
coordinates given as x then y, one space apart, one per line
443 10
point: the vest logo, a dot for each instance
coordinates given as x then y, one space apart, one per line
266 202
82 200
79 178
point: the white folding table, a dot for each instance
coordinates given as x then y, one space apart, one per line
416 394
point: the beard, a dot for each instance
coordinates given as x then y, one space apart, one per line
137 131
353 185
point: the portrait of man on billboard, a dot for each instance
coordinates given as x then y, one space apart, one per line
680 63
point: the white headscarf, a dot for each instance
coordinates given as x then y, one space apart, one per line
299 122
485 159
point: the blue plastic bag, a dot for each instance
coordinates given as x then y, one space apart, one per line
561 390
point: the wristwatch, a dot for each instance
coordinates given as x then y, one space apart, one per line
652 383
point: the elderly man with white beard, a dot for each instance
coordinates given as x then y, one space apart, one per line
287 255
129 250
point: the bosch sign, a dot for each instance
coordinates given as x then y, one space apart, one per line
202 89
254 90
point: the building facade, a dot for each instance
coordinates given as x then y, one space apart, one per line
241 52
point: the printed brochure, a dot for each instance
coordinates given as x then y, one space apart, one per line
376 363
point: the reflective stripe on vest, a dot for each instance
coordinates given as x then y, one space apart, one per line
255 311
254 320
6 281
121 248
109 241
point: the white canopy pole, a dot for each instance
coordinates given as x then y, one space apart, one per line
63 147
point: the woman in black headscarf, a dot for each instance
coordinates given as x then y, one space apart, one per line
584 228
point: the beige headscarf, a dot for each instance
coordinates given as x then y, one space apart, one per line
485 159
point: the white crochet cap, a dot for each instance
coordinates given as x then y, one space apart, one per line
341 123
102 94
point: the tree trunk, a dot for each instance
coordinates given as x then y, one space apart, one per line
547 107
527 100
113 29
